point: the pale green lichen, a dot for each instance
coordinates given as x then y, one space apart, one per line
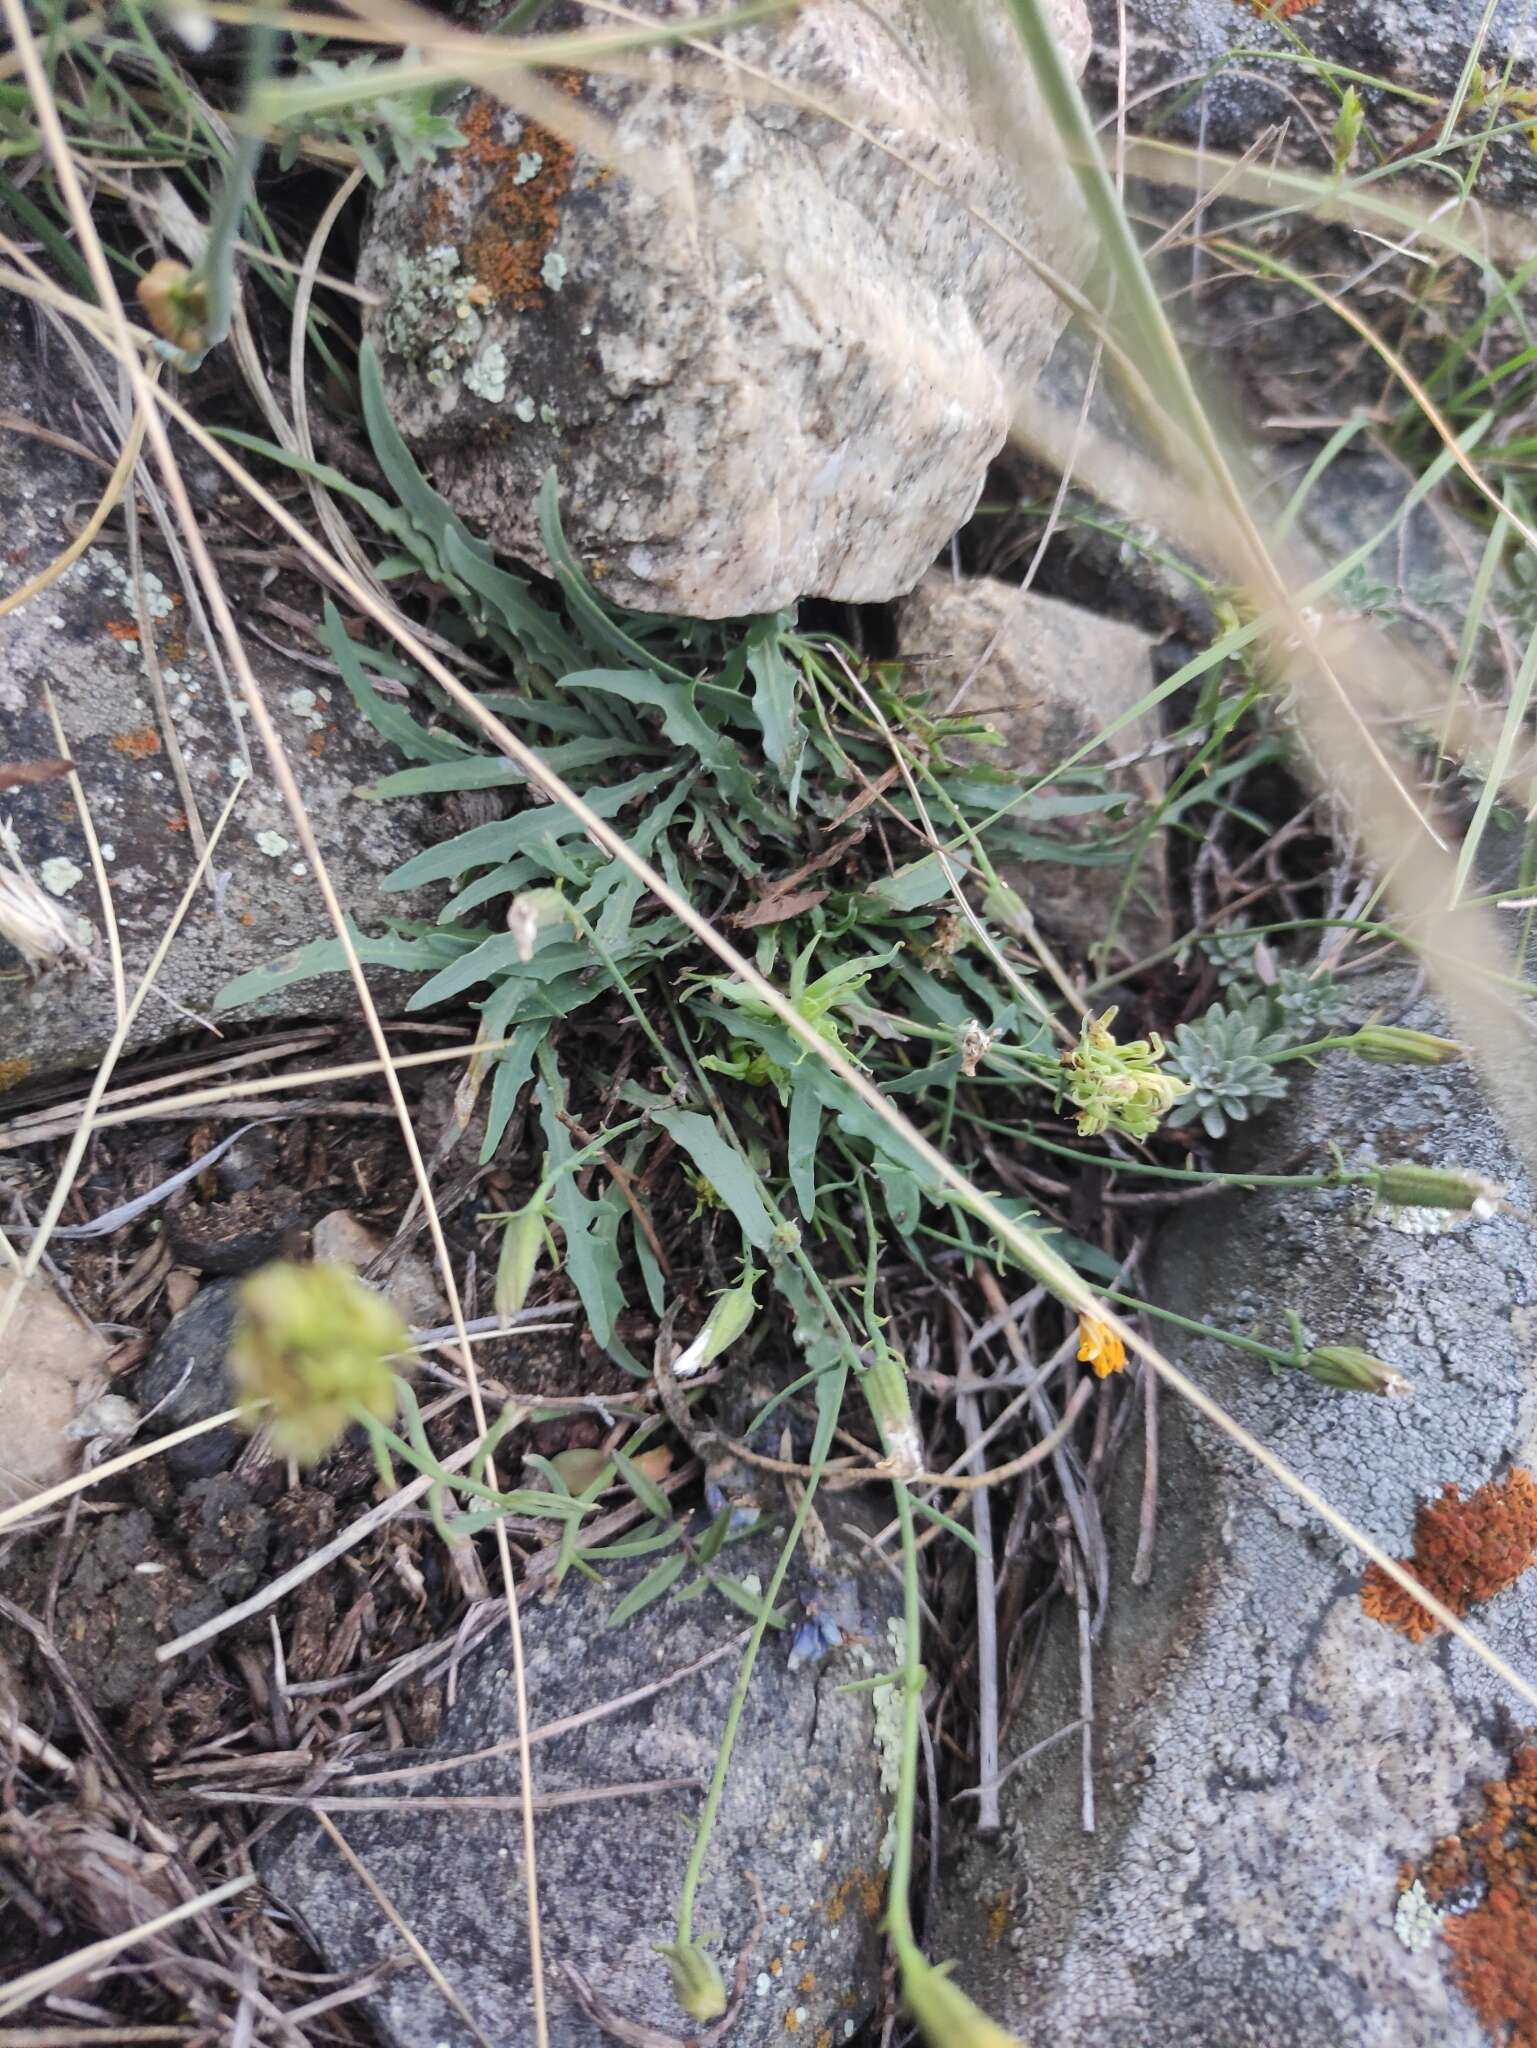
434 319
525 409
553 270
530 164
1416 1920
549 416
487 375
59 875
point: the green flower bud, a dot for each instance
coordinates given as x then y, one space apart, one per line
1407 1186
1357 1371
945 2015
731 1315
884 1386
1395 1045
311 1345
523 1238
696 1982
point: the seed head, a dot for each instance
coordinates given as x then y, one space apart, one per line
312 1345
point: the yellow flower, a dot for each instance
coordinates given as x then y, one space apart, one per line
1099 1346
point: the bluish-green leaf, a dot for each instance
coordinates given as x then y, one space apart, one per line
730 1176
776 679
504 838
386 715
411 952
920 882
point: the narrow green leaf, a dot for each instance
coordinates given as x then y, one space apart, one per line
429 513
645 1489
805 1130
948 1523
397 947
651 1587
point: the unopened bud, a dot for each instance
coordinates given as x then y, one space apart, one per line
946 2016
732 1313
1407 1186
523 1239
1396 1046
884 1386
1357 1371
696 1982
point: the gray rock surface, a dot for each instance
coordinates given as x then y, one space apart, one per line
1418 44
1267 1755
1051 677
186 1371
804 1812
766 360
262 901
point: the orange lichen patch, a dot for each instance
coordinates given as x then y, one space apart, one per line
1465 1551
177 822
776 1966
808 1981
140 744
1282 10
317 743
122 629
998 1919
509 214
13 1072
1494 1944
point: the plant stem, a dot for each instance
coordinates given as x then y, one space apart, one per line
1228 1337
899 1923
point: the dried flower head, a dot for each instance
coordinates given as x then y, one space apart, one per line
1099 1346
312 1346
36 924
175 304
1465 1551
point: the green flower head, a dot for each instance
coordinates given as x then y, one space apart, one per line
312 1346
1118 1087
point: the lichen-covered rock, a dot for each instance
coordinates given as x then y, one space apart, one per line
1268 1755
766 359
1049 677
79 639
805 1813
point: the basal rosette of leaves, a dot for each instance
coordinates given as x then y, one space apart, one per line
746 762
